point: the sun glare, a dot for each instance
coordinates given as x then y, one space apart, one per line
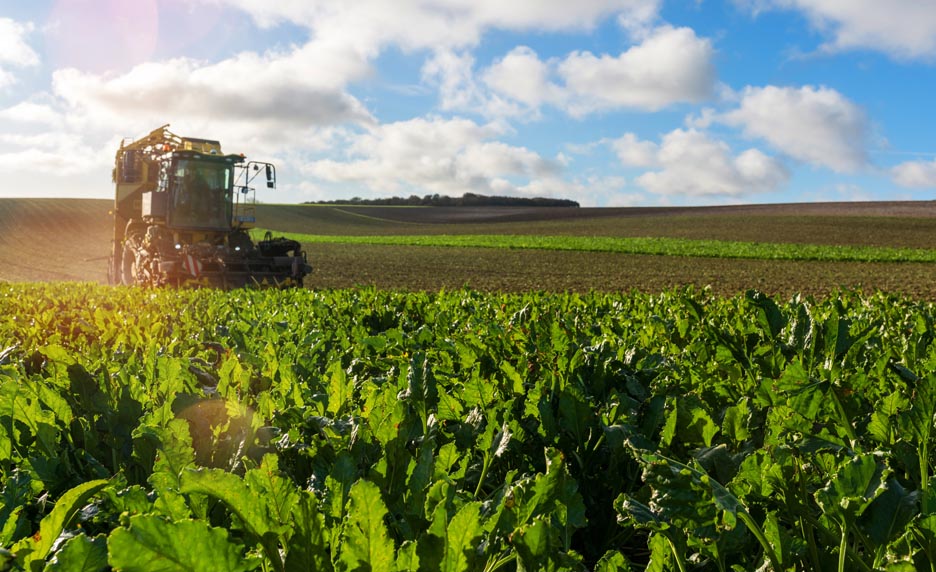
101 36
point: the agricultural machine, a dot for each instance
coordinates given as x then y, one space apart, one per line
182 215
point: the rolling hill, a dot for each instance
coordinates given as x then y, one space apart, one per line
69 239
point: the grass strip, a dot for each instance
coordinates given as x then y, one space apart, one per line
660 246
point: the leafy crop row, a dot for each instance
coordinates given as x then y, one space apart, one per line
664 246
147 430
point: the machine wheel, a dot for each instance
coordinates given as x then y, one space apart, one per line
129 270
128 266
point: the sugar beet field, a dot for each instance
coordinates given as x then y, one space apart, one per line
514 398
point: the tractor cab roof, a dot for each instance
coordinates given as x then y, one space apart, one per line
211 156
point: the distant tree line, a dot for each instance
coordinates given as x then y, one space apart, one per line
466 200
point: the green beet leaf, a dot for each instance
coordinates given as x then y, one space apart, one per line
407 558
16 493
307 548
339 390
338 484
235 494
642 515
575 414
259 510
175 452
80 554
461 538
888 515
661 554
805 395
769 317
613 561
857 483
421 392
554 494
34 550
539 548
366 545
736 420
152 544
279 494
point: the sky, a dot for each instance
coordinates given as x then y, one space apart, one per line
606 102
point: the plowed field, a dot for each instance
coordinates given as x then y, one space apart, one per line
45 239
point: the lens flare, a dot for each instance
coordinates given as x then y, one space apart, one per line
102 35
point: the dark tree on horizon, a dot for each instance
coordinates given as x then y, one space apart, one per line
466 200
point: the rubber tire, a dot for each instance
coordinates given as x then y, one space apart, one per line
128 267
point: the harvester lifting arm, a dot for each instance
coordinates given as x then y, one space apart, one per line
157 141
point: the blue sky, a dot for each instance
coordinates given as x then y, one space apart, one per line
607 102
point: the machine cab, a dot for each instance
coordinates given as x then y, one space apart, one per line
200 191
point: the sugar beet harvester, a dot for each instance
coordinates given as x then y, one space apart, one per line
182 213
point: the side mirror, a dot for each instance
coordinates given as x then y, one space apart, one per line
271 180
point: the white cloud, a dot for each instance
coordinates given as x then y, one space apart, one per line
523 77
669 66
14 51
915 174
419 24
6 79
904 29
693 164
453 74
640 18
305 86
13 47
447 156
54 155
672 65
495 158
31 113
266 104
249 87
589 191
636 153
816 125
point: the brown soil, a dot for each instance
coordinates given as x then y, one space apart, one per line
455 215
58 239
54 239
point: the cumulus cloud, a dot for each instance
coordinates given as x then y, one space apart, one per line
303 88
459 90
269 89
636 153
915 174
691 163
591 191
14 50
448 156
267 104
523 77
816 125
13 47
32 113
52 154
419 24
669 66
904 29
